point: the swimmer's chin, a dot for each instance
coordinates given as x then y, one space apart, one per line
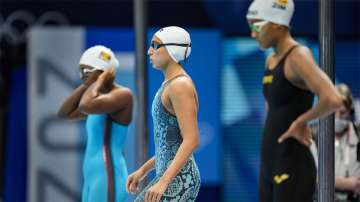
263 48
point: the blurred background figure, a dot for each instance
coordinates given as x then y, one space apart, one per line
41 42
347 150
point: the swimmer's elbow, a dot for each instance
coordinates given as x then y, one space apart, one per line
334 102
86 107
61 114
196 143
337 102
191 143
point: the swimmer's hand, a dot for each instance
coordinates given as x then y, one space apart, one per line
105 79
132 182
108 76
300 131
155 192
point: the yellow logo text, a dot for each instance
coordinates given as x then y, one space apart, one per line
279 179
268 79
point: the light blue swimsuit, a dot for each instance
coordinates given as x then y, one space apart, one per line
186 184
98 173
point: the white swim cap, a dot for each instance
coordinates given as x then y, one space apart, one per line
275 11
175 35
99 57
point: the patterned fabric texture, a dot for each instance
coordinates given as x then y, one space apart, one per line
185 186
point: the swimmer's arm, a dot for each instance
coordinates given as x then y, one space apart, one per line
148 166
112 102
95 101
69 109
185 107
317 82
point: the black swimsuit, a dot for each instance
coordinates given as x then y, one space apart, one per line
288 171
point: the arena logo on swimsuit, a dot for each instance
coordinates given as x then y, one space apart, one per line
268 79
281 178
281 4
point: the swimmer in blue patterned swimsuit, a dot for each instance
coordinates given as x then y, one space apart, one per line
107 108
174 112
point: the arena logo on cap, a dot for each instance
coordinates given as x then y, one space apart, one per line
105 56
281 4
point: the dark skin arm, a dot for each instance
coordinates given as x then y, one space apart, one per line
69 109
105 97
